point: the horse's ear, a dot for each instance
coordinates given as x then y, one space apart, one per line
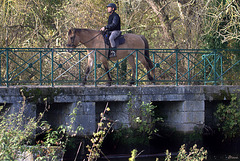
70 32
74 30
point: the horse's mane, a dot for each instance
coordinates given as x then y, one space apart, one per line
83 29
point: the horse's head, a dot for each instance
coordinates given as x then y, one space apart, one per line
72 42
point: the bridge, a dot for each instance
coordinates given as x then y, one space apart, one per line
186 107
187 81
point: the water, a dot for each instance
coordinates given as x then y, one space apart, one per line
161 159
125 158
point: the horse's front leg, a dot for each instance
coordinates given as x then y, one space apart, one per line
88 69
105 64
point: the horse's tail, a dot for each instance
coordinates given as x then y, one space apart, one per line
147 54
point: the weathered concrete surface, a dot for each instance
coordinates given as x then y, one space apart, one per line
184 105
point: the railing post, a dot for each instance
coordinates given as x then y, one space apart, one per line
52 68
40 64
189 82
7 67
117 65
95 68
222 83
176 51
136 67
154 65
79 67
215 67
1 69
204 68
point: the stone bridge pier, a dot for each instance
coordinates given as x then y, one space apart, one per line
185 107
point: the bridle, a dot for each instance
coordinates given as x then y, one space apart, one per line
72 42
73 39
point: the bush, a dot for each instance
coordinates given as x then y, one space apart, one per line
143 117
194 154
228 117
18 132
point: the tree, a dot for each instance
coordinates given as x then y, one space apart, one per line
30 23
167 23
222 24
181 21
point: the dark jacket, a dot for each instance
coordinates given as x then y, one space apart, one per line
114 22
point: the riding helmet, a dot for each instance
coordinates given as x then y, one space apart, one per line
113 5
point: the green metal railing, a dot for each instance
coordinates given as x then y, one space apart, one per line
40 66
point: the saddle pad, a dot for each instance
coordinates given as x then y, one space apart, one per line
119 40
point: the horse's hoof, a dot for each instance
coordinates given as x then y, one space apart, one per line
108 84
130 84
153 81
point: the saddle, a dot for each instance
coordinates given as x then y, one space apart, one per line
119 40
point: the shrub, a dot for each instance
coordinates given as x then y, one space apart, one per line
15 130
143 117
18 132
98 137
228 117
194 154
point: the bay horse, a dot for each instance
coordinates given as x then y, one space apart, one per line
94 39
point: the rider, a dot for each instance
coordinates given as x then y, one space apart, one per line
114 27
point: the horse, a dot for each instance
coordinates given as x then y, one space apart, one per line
94 39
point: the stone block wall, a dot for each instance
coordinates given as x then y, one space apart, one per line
183 106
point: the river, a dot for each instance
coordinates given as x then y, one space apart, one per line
162 158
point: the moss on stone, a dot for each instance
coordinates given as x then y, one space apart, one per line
38 95
222 95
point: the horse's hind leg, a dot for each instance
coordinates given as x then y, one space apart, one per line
131 61
149 75
146 65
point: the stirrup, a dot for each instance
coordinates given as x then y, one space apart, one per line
112 54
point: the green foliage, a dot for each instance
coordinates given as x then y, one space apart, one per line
99 136
143 117
54 143
142 120
18 132
168 156
31 23
228 117
15 130
221 24
193 137
194 154
213 41
44 23
133 155
130 137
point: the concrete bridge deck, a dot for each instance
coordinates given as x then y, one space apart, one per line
185 106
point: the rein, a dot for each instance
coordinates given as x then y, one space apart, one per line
92 38
86 41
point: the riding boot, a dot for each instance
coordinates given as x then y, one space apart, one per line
112 52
